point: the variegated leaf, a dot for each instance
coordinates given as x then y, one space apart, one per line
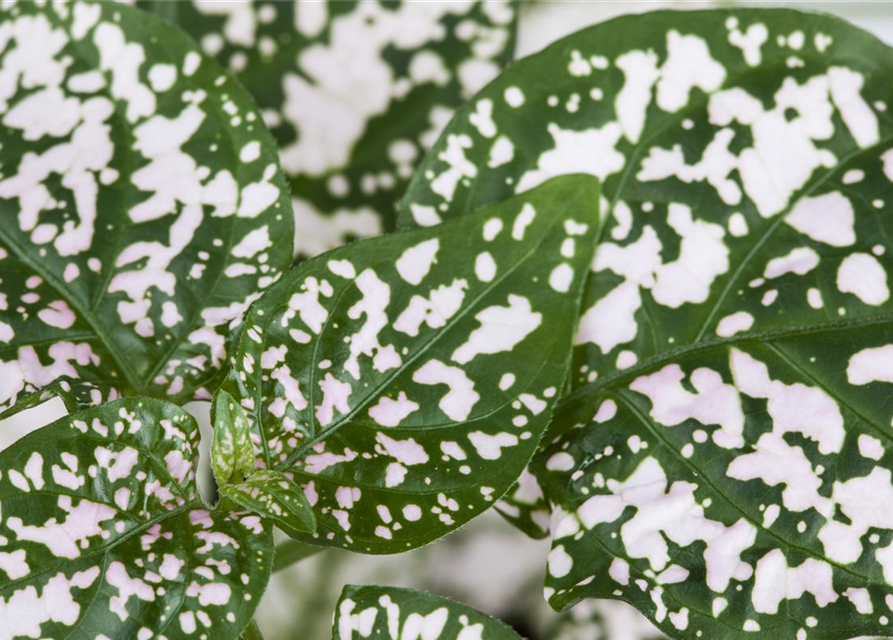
74 394
104 533
355 92
721 462
139 197
232 453
391 613
405 381
526 507
274 496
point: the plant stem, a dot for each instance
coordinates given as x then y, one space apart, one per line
292 551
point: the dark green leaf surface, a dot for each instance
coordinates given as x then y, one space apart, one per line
721 462
405 381
274 496
139 202
390 613
104 534
355 92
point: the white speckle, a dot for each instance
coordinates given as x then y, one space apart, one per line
500 330
250 152
776 581
561 277
750 42
827 218
415 263
514 97
863 276
559 562
461 397
800 261
713 403
390 413
871 365
814 298
870 447
522 221
485 267
591 151
738 225
735 323
640 73
688 65
489 447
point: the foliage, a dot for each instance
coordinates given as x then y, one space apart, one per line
727 424
109 534
141 195
405 381
386 613
355 92
717 454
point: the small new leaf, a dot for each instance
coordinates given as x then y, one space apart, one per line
272 495
388 613
232 453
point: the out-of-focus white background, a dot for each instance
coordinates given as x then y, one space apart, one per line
488 564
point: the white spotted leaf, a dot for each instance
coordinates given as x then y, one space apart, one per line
104 531
405 381
274 496
721 459
388 613
355 92
133 235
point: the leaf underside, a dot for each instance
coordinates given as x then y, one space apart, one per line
139 197
389 613
405 381
355 92
721 460
111 538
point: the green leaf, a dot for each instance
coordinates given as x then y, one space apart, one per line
274 496
406 380
104 532
139 198
232 452
722 461
526 507
74 394
390 613
355 92
252 632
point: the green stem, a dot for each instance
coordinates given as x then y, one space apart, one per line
291 552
